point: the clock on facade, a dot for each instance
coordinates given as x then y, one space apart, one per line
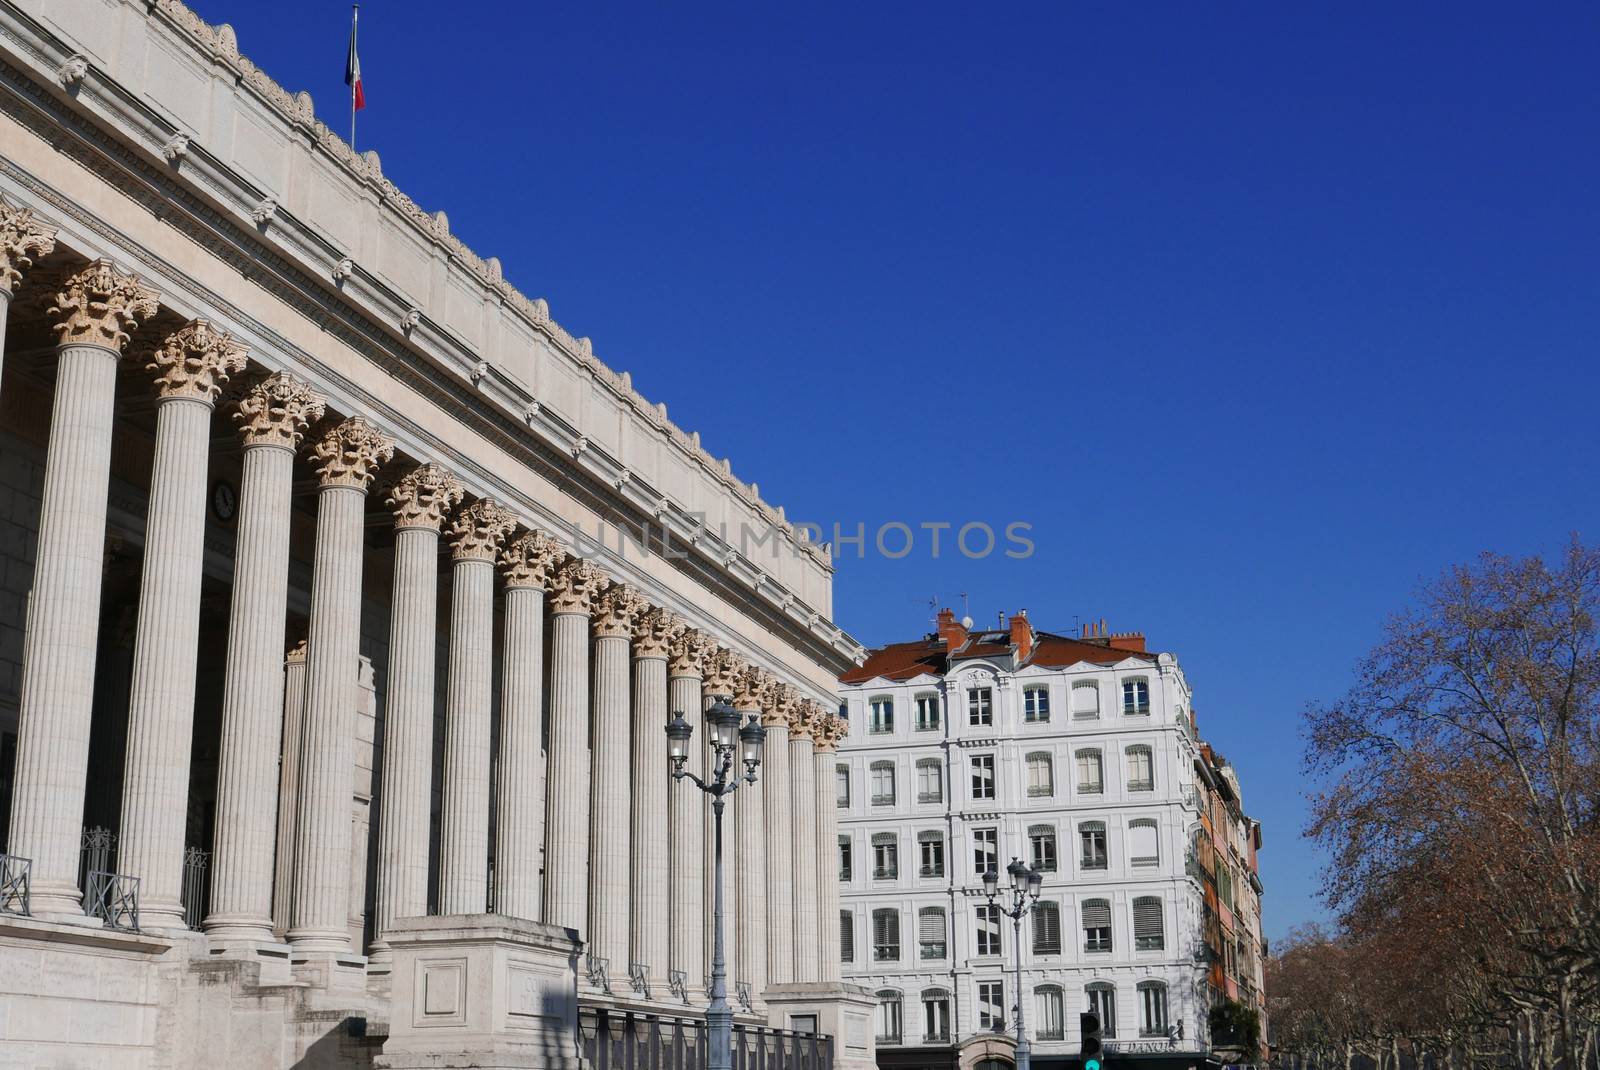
224 500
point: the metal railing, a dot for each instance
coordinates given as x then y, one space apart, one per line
599 971
15 872
741 990
639 978
97 852
114 899
196 889
617 1040
678 984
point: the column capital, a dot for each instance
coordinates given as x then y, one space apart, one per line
530 559
752 688
297 654
615 609
422 497
688 651
480 530
787 705
99 306
350 453
653 631
723 667
194 361
22 237
828 731
277 410
574 585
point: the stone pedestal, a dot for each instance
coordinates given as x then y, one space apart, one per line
482 990
842 1011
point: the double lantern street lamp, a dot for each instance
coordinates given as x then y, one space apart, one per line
1025 885
726 735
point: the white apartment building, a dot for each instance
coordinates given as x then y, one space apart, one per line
1077 756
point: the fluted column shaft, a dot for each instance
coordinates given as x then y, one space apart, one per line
806 857
827 867
751 866
566 870
519 811
63 620
686 809
650 872
609 783
780 878
464 849
294 720
408 728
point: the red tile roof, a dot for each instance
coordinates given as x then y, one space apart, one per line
902 661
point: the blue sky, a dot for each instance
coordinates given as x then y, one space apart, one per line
1259 315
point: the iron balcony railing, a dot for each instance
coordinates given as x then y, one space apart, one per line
615 1040
114 899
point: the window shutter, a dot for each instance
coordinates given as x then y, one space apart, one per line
1097 914
930 837
1147 921
1085 699
930 925
1047 929
847 937
882 838
1092 826
1142 842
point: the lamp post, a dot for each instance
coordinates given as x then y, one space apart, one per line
1025 884
726 735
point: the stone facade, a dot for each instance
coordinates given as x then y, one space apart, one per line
319 544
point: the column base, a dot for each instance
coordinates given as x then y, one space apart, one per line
272 956
842 1011
338 972
61 904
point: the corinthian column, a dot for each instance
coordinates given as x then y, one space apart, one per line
480 530
96 309
615 611
272 416
686 816
294 719
519 814
346 458
566 867
421 499
21 239
752 688
192 365
828 730
806 856
649 873
776 800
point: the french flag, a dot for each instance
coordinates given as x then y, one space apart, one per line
352 69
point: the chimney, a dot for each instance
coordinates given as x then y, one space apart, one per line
951 633
1021 637
1130 641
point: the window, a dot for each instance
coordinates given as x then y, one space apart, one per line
935 1014
886 935
983 776
927 713
1041 775
1090 782
1097 925
985 850
1103 1001
841 784
1036 705
1152 1009
931 847
1141 771
1136 696
980 706
885 856
1042 845
882 719
888 1017
846 859
1085 699
1092 840
930 780
1046 929
847 936
930 932
1143 842
1148 924
991 1005
1049 1012
988 919
882 783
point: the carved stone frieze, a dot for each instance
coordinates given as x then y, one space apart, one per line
423 496
480 530
99 306
194 361
351 453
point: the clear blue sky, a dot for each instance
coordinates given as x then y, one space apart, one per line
1258 314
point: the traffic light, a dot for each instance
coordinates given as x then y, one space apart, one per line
1090 1047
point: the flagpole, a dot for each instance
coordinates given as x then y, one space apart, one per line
355 14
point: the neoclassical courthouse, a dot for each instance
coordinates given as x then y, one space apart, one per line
344 600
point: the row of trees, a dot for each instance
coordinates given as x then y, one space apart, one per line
1461 811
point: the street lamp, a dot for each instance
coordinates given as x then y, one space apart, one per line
726 736
1025 885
